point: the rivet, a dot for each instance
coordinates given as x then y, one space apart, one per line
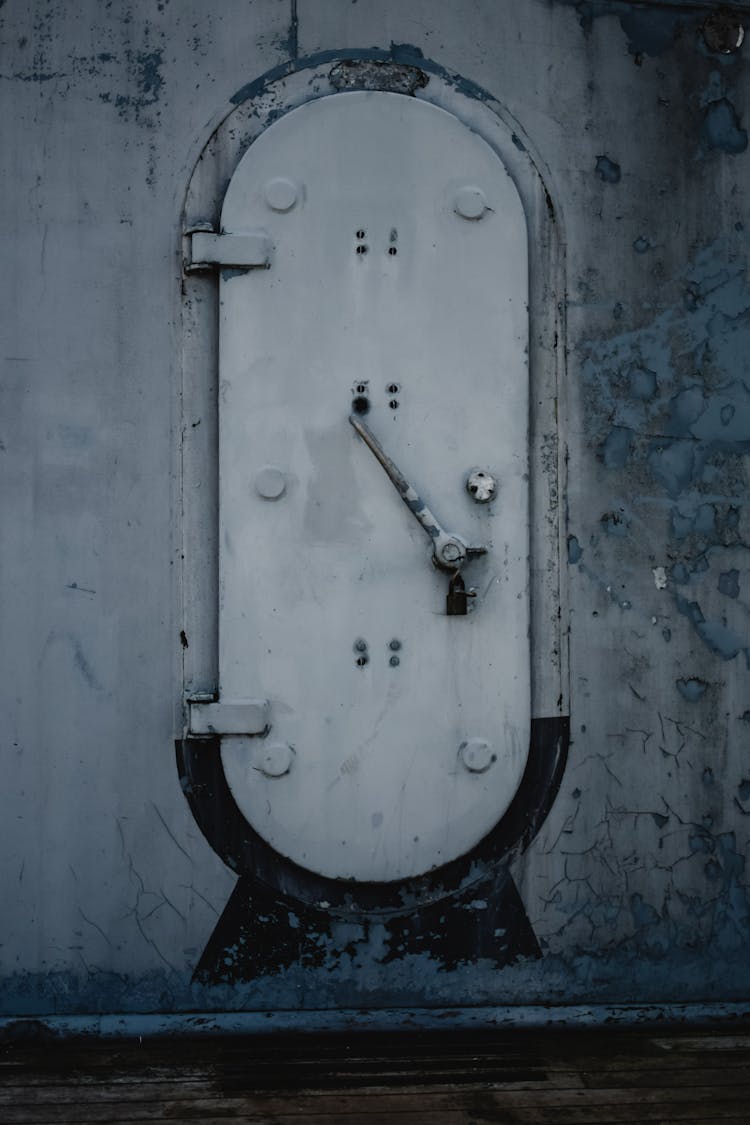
270 482
360 645
476 754
394 662
281 194
469 202
394 645
276 759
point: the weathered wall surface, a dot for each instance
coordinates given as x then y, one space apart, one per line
636 885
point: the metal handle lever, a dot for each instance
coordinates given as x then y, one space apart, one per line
449 551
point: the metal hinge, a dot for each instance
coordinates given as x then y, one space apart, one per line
206 249
207 715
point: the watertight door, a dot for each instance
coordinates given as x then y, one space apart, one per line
374 521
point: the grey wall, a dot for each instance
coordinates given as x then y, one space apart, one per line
636 885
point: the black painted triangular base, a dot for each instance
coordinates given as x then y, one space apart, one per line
260 933
476 913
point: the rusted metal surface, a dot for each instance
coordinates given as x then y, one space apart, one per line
376 74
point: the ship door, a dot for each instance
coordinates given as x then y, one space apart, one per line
374 666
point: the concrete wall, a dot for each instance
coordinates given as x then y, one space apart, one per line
636 886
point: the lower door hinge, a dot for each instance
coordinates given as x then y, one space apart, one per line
207 715
206 249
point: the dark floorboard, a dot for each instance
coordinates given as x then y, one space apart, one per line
562 1076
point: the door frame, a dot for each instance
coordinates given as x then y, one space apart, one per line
255 108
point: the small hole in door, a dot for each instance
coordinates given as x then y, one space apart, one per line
361 234
361 404
392 251
362 249
393 404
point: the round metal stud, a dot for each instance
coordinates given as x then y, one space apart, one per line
452 552
477 755
723 32
281 194
276 759
481 486
270 482
469 202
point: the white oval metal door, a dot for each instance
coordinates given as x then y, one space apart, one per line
377 366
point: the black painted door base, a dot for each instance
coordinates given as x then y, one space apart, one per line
468 910
259 933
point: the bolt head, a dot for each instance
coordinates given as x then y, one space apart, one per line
281 194
276 759
481 486
469 202
270 482
476 755
451 552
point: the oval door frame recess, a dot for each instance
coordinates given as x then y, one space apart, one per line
198 756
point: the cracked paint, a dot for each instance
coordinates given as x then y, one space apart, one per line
636 887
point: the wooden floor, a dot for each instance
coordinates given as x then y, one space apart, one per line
402 1079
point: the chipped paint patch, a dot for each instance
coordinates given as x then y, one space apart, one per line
376 74
575 550
660 577
608 170
650 32
692 689
722 129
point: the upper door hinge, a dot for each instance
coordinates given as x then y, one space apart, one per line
206 250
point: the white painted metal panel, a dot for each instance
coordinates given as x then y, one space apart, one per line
400 261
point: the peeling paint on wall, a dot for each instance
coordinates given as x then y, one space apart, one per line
636 888
722 129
